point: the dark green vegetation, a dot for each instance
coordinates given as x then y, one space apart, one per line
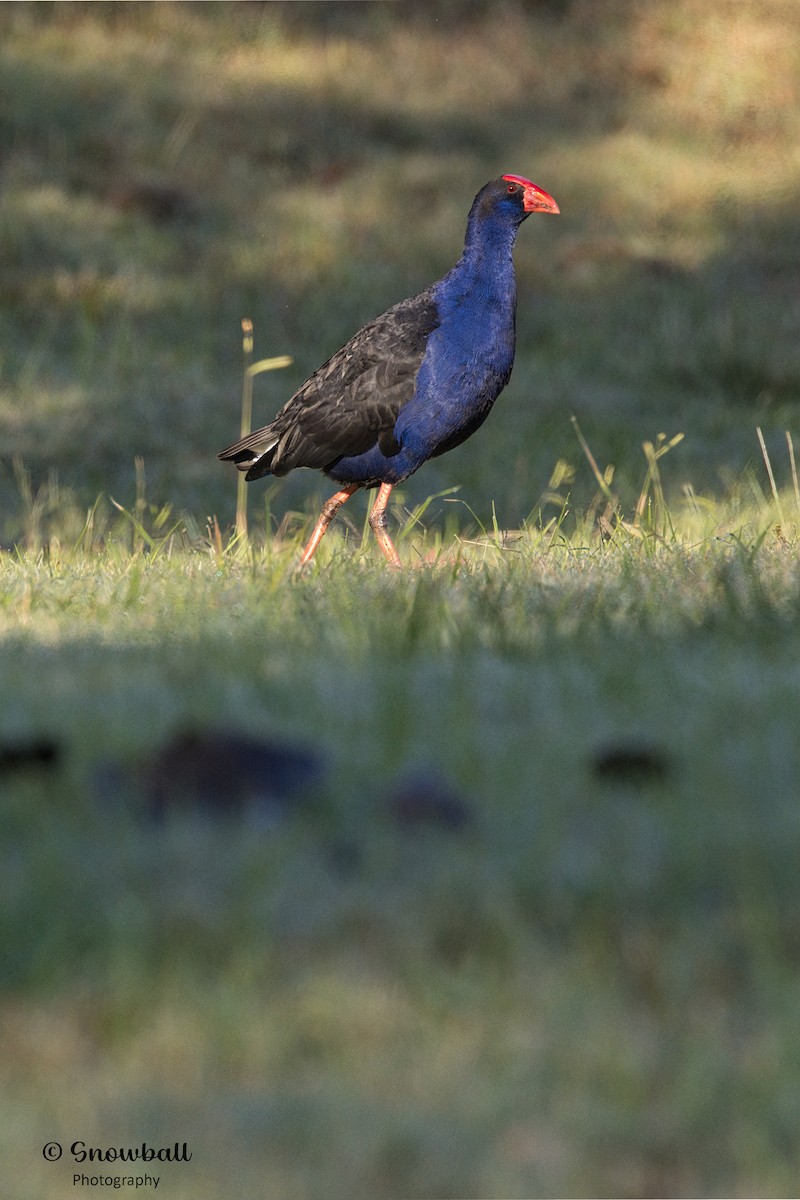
592 989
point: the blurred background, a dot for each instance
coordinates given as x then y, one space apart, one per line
558 957
168 169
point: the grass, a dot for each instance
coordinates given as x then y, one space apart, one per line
590 989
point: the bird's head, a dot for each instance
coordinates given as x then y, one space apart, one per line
510 200
531 197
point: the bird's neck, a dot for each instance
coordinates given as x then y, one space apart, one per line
488 250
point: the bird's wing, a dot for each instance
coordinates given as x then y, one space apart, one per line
352 400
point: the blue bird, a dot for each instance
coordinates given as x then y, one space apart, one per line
414 382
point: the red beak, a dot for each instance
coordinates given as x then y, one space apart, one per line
536 199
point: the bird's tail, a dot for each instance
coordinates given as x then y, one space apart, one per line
253 453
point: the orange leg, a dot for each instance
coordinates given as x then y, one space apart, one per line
329 511
377 520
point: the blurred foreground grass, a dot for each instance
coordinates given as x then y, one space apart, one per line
592 990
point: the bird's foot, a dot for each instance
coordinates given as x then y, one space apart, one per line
378 522
329 511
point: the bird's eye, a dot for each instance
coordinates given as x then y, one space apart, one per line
512 187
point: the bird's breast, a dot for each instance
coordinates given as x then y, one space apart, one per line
466 365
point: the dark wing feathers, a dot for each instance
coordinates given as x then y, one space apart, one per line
351 402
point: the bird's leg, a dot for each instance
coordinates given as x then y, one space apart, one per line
329 511
377 520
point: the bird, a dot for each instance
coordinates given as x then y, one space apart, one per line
413 383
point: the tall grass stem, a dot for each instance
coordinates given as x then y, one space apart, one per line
772 483
246 423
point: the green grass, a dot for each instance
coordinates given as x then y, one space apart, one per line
591 990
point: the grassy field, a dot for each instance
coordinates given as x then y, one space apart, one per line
591 988
587 985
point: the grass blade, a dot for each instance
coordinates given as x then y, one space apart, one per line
772 483
790 444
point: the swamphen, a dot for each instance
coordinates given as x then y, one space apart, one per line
415 382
